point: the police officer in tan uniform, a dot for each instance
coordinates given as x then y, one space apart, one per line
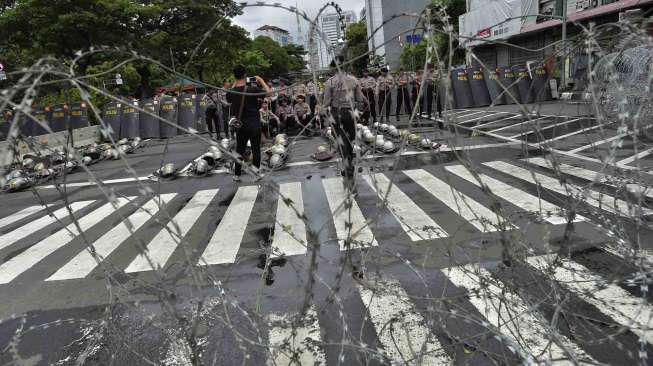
384 85
368 85
403 97
338 104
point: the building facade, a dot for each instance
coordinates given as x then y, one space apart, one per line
390 38
281 36
331 27
532 31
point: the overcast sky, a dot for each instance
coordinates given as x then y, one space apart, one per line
256 17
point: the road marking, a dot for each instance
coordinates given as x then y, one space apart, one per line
476 214
295 344
528 332
225 242
103 182
168 239
480 118
84 263
415 222
497 121
400 328
517 197
546 128
287 222
5 221
571 134
600 142
518 124
337 197
631 312
38 224
639 155
12 268
593 198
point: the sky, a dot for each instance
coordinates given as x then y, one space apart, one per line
256 17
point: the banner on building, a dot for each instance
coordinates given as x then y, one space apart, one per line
497 19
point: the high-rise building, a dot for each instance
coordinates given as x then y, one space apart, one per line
389 40
281 36
331 27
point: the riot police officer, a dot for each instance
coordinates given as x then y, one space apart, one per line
384 85
368 85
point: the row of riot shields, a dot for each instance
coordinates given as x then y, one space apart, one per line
478 87
156 118
61 117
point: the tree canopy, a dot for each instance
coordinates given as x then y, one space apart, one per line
357 47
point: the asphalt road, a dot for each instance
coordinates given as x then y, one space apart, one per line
262 273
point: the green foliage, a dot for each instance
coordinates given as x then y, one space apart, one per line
271 60
356 38
413 56
254 61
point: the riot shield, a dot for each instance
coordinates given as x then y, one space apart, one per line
540 88
111 115
129 126
59 116
495 91
148 124
479 89
78 115
510 90
523 83
168 112
187 112
44 116
200 117
462 92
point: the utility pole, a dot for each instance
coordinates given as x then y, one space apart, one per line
563 42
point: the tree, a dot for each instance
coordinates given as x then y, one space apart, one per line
274 54
356 38
254 61
296 57
413 56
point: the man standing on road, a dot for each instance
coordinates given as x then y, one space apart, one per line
224 107
338 105
311 89
212 113
403 96
368 84
432 93
384 87
244 97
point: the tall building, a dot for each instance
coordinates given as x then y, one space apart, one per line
281 36
331 27
389 40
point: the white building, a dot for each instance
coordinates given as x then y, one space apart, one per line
281 36
331 27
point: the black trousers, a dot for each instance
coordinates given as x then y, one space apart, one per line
403 98
225 121
312 102
371 105
413 98
253 135
385 101
213 120
432 97
345 135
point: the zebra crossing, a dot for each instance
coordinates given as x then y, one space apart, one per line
289 238
407 334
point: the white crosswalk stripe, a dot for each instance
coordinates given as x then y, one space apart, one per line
84 263
289 229
415 222
629 311
225 242
20 215
12 268
360 233
517 322
550 212
593 198
31 227
160 249
295 342
476 214
399 327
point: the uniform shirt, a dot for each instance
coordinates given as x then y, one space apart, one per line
211 99
299 89
302 109
368 82
311 88
266 116
431 77
222 97
385 83
285 111
339 90
403 80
